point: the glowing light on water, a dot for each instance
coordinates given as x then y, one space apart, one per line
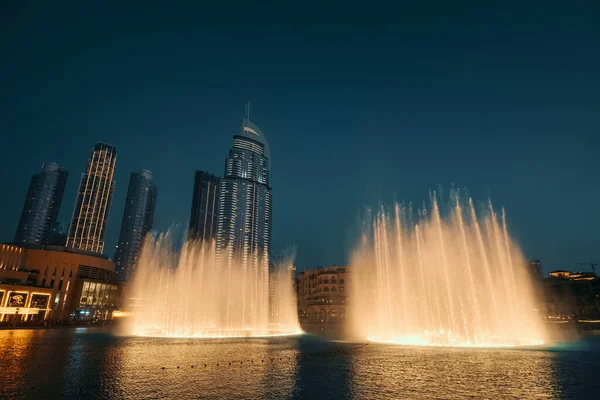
442 279
187 293
416 340
216 334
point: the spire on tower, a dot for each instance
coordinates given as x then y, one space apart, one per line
247 116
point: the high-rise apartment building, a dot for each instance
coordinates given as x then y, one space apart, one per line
94 197
42 204
244 225
205 207
137 222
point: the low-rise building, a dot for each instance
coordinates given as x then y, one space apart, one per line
571 296
52 283
323 296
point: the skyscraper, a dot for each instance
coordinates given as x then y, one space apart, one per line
137 222
94 197
244 226
42 204
205 207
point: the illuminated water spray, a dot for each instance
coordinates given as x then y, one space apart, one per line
187 293
452 278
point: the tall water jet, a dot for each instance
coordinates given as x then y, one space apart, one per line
283 307
187 293
451 278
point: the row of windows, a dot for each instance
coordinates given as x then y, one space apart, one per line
322 316
323 300
99 295
326 289
333 280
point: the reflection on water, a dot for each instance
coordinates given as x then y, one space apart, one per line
94 363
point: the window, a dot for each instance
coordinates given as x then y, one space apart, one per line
333 280
326 289
333 289
341 281
332 314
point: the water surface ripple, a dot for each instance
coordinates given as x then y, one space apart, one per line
95 363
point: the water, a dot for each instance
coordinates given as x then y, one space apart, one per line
95 363
453 278
188 293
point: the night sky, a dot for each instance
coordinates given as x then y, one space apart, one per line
360 106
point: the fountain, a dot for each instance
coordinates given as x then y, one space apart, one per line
188 293
446 279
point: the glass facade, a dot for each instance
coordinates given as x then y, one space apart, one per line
205 207
99 295
94 197
137 222
42 204
244 225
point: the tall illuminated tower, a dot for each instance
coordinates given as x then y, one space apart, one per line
138 218
244 225
94 197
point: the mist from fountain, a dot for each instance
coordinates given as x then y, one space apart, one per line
447 279
283 308
188 293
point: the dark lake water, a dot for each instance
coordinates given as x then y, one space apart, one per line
91 363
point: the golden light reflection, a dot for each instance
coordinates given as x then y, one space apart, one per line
423 340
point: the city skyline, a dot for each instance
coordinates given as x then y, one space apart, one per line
359 110
408 210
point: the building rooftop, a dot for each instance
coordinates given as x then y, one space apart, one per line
577 276
250 130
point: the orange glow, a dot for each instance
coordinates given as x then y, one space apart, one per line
456 279
193 296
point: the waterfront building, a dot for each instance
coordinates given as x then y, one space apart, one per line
244 224
56 284
205 207
571 296
92 206
137 221
323 297
42 204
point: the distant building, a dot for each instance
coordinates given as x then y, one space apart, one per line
94 198
244 225
534 267
42 204
205 207
138 218
58 235
323 296
571 296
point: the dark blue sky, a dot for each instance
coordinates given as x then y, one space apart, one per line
360 105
